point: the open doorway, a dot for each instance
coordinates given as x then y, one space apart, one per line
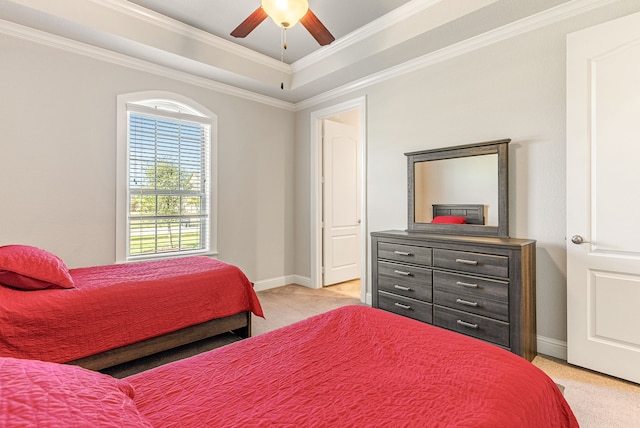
338 220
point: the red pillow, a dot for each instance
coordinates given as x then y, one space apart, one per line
449 219
30 268
36 393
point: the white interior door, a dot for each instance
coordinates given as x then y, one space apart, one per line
603 202
341 206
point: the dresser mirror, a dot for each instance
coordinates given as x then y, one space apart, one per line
458 184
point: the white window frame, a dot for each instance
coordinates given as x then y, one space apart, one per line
167 102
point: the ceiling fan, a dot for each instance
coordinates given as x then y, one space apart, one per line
286 13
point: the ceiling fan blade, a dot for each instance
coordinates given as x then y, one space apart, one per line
316 28
249 24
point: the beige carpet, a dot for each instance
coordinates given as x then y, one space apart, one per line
286 305
597 400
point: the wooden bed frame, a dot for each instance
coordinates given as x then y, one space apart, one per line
474 213
239 324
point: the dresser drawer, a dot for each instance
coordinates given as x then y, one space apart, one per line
405 280
472 304
484 264
405 253
411 308
472 325
471 285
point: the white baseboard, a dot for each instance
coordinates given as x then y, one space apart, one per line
268 284
368 299
552 347
305 281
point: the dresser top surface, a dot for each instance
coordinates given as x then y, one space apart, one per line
419 236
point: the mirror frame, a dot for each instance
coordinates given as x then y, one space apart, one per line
499 147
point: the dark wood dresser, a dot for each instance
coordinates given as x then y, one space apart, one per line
479 286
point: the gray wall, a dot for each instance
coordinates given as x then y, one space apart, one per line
58 160
511 89
58 152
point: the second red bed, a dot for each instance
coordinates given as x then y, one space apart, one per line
116 305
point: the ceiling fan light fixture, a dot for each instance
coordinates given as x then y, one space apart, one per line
285 13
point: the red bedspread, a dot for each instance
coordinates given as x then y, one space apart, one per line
116 305
354 366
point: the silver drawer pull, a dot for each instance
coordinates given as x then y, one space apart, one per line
467 262
402 287
400 305
466 324
467 303
402 253
401 272
467 284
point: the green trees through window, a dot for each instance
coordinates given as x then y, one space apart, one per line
168 191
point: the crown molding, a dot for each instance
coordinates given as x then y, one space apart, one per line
392 18
533 22
47 39
553 15
138 12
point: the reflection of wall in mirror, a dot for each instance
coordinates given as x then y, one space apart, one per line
467 180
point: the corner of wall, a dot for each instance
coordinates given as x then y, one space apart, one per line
552 347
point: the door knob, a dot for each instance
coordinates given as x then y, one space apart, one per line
577 239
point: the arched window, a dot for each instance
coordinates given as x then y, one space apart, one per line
166 193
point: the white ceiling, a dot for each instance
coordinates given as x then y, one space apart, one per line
220 17
189 39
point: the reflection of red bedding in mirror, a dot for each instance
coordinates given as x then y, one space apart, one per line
449 219
471 213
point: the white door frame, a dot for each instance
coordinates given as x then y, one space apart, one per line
316 189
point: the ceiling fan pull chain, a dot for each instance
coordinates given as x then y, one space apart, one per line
283 43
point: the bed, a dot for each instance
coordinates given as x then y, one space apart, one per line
101 316
353 366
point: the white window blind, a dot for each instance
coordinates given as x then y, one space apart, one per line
168 182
